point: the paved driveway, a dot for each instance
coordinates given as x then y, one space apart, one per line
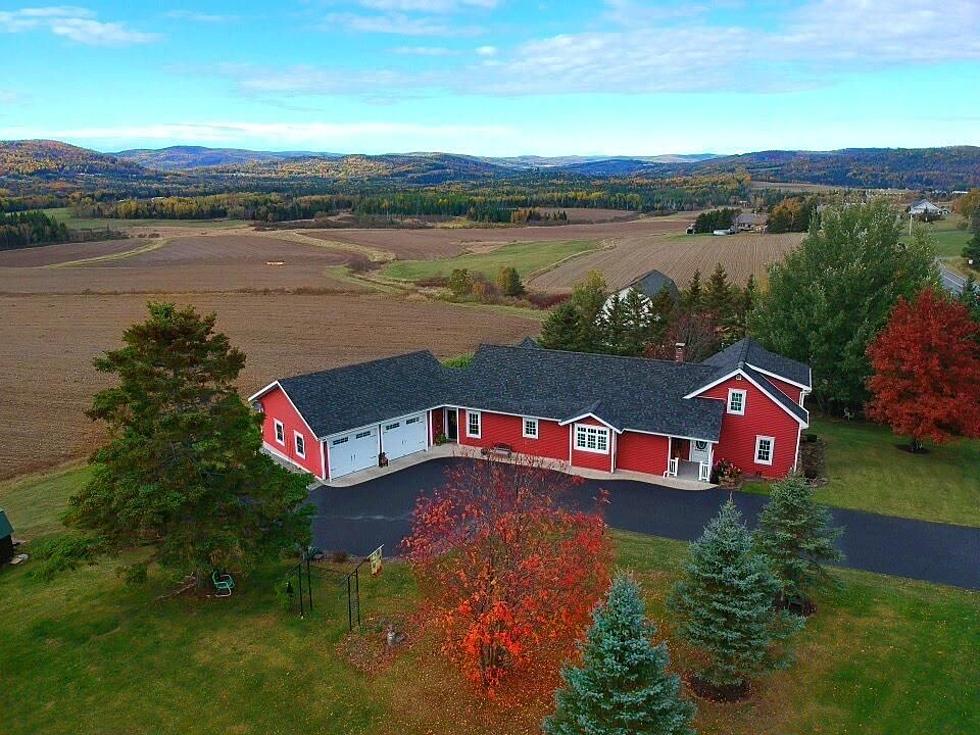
359 518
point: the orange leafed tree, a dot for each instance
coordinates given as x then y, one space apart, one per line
926 381
507 569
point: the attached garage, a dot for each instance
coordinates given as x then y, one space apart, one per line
404 436
352 452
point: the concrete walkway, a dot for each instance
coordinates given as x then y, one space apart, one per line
359 518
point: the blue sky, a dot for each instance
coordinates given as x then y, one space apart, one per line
494 77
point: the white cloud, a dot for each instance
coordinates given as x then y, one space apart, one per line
397 24
196 17
9 97
424 51
318 136
74 23
427 6
486 51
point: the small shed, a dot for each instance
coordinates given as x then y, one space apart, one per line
6 539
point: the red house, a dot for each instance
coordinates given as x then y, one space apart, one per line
602 412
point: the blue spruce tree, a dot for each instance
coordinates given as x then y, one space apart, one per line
622 686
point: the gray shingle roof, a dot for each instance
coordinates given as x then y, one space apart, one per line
356 395
625 392
653 283
749 352
5 528
628 393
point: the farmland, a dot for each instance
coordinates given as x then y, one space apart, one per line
283 297
677 255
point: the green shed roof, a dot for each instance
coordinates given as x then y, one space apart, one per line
5 528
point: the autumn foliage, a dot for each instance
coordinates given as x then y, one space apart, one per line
926 382
507 570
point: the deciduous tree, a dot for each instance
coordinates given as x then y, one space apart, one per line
622 684
829 298
505 568
926 378
182 471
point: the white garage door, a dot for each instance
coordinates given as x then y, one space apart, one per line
404 436
353 452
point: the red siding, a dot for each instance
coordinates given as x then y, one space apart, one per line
763 417
497 428
592 460
642 453
276 405
789 389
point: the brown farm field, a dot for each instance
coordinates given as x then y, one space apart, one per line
626 258
47 343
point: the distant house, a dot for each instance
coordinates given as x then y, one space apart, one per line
750 222
649 286
924 208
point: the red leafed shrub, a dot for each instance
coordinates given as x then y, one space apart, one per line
506 570
542 300
726 473
927 371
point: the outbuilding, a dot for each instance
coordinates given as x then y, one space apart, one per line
6 539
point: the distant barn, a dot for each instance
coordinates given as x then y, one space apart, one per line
6 539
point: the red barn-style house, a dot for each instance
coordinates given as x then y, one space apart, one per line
601 412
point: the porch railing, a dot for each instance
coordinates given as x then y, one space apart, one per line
704 472
672 464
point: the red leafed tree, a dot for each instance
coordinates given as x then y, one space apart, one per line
507 568
926 382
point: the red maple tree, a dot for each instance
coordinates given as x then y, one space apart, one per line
926 382
506 567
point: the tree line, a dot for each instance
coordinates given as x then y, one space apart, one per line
24 229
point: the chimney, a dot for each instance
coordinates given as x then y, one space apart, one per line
679 352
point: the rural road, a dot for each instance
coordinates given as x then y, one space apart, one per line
359 518
951 280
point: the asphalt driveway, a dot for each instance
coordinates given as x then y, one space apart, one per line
359 518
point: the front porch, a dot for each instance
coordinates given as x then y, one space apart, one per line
686 481
690 459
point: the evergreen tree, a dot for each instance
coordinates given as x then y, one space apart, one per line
640 323
183 471
561 329
726 602
796 535
460 282
589 298
509 281
718 294
614 328
693 295
970 297
622 684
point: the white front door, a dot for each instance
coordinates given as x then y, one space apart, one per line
700 452
404 436
352 452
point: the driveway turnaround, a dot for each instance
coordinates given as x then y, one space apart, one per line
358 519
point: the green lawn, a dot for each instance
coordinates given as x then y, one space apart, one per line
868 471
527 257
64 214
85 654
947 238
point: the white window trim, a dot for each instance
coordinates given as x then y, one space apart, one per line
537 427
772 449
279 430
300 437
734 391
586 429
469 424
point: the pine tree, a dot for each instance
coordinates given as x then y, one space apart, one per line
639 323
726 602
718 294
509 281
796 536
614 326
561 329
622 684
589 298
693 295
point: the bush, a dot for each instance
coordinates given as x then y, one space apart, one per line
360 264
65 552
726 473
432 282
541 300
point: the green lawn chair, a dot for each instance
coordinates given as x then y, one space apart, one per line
223 584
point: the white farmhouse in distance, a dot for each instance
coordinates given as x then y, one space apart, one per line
925 208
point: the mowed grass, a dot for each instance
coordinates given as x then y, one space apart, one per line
85 654
64 214
946 234
867 470
529 258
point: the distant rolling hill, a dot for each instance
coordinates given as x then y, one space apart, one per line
185 157
35 166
